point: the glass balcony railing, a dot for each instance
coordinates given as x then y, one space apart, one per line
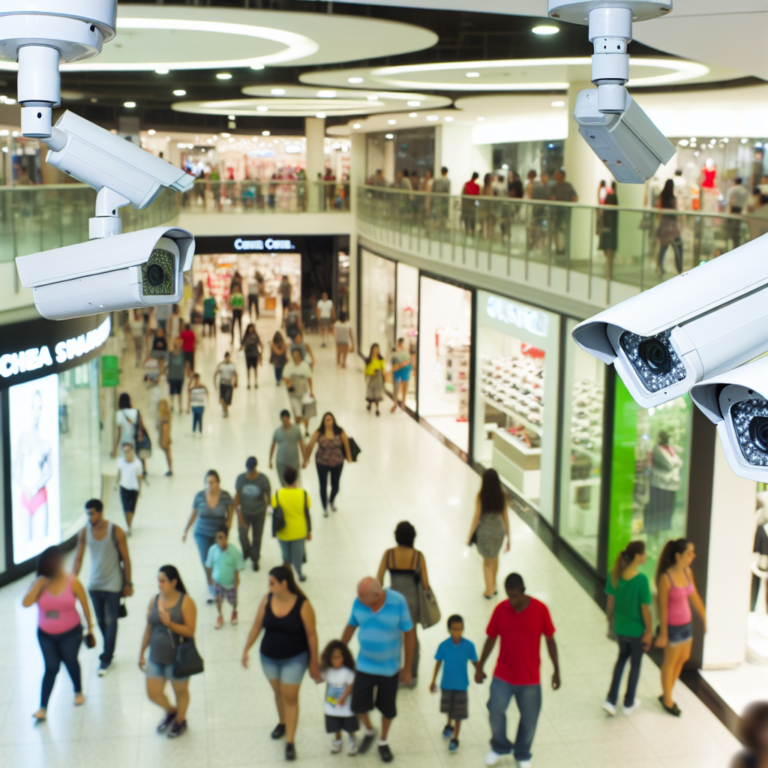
619 245
273 196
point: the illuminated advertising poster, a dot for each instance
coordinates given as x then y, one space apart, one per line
34 427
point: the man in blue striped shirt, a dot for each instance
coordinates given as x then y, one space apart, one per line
383 618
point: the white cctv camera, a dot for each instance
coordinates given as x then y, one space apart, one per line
697 325
618 131
737 402
628 143
139 269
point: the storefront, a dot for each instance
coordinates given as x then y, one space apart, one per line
311 264
51 434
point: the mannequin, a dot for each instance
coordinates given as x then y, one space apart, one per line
708 174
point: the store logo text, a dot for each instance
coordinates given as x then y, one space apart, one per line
263 245
513 314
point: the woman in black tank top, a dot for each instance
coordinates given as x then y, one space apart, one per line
288 649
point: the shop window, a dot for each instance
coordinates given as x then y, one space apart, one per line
580 485
377 304
407 323
649 474
445 321
515 424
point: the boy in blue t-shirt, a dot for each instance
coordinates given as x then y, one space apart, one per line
454 652
223 563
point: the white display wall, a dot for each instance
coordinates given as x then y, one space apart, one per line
445 320
377 309
407 321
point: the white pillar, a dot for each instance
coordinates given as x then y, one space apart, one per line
314 127
357 163
731 535
454 149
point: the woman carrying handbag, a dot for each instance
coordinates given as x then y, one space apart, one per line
170 637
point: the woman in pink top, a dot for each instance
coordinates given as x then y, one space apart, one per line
59 631
677 593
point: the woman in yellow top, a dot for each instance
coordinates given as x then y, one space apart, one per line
374 378
295 503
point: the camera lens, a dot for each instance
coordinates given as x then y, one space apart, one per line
155 275
656 356
758 432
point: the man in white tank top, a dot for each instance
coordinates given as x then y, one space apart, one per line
110 573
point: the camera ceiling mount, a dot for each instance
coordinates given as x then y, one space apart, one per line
577 11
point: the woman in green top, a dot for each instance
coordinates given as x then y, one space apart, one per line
237 305
629 609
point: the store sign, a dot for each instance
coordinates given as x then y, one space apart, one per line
508 312
264 245
35 358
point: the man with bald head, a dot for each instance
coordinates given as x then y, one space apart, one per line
383 618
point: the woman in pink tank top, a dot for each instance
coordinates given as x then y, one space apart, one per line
59 630
677 593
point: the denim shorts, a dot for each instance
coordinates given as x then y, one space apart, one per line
677 634
288 671
163 670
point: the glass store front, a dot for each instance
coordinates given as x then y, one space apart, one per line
377 307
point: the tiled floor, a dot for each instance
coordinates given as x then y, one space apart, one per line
403 473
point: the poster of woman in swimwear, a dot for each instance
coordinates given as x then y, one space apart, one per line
34 427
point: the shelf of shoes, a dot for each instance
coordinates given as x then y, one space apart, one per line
587 420
455 354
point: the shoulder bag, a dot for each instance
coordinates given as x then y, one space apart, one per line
429 611
354 448
143 443
187 660
278 516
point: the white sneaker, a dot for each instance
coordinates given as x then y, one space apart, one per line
492 758
635 705
524 764
336 745
352 749
609 708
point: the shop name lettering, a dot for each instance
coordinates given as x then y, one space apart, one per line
513 314
263 245
13 363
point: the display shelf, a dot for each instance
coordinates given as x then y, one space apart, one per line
514 414
517 443
593 455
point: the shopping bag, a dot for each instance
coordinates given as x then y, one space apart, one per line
429 612
354 448
308 406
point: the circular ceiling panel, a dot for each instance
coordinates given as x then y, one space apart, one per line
151 37
516 74
302 101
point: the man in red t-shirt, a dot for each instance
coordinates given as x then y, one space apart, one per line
472 189
188 342
519 622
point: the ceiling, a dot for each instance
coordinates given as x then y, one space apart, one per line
190 64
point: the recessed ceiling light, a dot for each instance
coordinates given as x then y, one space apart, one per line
278 91
161 71
432 118
225 135
373 98
320 115
223 76
230 117
473 74
683 142
448 119
480 119
231 141
390 136
545 30
179 92
327 94
414 103
355 80
257 66
392 122
558 103
209 141
357 125
214 137
265 133
151 131
413 114
5 132
744 141
10 101
725 141
129 104
505 167
262 109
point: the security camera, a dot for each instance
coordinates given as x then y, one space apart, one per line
139 269
737 402
628 142
696 325
618 131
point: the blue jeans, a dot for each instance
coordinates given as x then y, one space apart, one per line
58 648
106 605
293 554
528 703
630 649
279 373
197 418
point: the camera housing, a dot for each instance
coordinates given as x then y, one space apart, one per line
628 143
694 326
737 403
138 269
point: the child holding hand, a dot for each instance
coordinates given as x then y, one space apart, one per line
337 667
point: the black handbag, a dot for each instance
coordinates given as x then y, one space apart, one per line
473 540
354 448
187 660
